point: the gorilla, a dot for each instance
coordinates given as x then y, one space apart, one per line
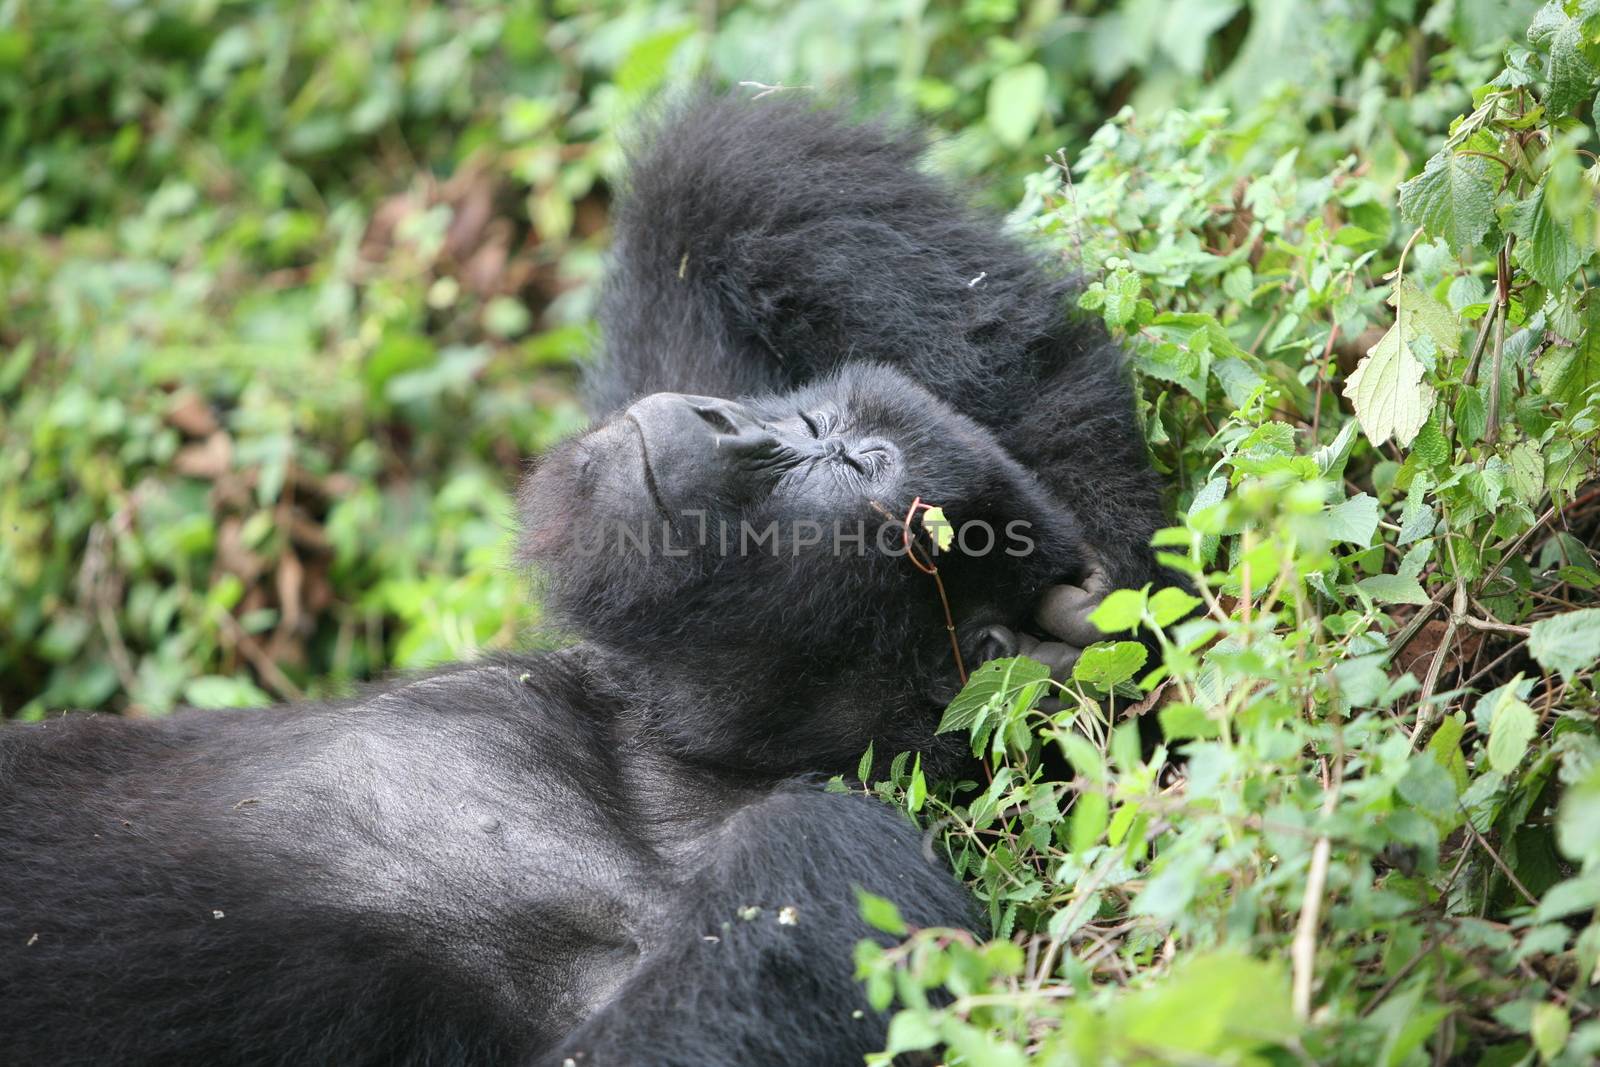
621 851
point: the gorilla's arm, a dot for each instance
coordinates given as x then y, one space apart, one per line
728 984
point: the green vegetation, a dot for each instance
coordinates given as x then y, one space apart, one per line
290 288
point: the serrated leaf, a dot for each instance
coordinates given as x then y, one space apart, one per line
1547 250
1430 448
996 680
1526 464
1388 393
1015 103
1452 198
1569 70
1416 519
1393 589
1110 663
1170 604
1567 373
1354 521
1567 643
1121 610
1510 731
1419 313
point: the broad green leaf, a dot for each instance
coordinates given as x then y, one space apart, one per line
1510 731
1016 102
1452 198
1526 465
996 681
1428 785
1567 643
1551 1028
1210 1009
1119 612
1430 447
912 1031
1578 820
1090 814
1573 895
1387 390
1421 315
1354 521
1547 250
647 63
1393 589
879 913
1187 28
1109 663
1170 604
1567 373
223 691
1570 72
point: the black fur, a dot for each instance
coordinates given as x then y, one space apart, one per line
587 855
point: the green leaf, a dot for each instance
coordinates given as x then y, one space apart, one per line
1421 315
1567 373
995 681
1547 250
912 1031
1550 1029
1430 448
1452 198
647 63
1109 663
1428 786
1510 731
1170 604
1578 819
1567 643
1119 612
938 528
1387 390
1354 521
1016 103
221 691
880 913
1570 72
1393 589
1090 815
1564 898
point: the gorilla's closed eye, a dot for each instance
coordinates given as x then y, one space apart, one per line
815 424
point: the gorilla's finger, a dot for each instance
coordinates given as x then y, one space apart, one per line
1064 612
999 642
1059 657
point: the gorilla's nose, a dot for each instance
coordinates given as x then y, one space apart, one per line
723 416
686 418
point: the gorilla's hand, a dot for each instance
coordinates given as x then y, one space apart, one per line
1064 610
1063 613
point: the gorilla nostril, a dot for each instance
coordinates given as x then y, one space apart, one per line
715 417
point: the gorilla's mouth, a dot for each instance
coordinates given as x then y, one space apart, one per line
651 488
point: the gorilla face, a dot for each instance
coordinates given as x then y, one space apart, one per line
781 514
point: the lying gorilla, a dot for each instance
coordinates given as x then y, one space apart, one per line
620 852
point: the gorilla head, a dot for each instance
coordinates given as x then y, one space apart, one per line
700 534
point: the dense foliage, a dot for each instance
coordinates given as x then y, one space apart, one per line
289 288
